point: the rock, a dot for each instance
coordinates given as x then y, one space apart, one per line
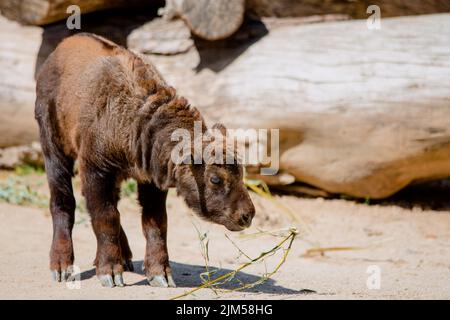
161 36
23 155
208 19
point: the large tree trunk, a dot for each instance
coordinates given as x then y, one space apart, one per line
361 112
41 12
208 19
18 53
367 112
354 8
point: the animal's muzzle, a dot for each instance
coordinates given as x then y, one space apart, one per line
246 218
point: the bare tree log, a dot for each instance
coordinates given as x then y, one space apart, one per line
367 112
208 19
355 8
19 46
40 12
217 19
360 112
161 36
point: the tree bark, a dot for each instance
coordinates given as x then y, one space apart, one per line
208 19
361 112
19 46
366 112
161 36
41 12
356 8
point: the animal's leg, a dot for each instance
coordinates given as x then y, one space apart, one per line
154 226
102 194
127 255
126 251
59 170
62 207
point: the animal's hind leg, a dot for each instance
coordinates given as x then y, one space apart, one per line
126 251
59 171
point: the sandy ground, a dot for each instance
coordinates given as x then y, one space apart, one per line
409 247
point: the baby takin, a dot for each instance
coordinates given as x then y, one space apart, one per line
104 107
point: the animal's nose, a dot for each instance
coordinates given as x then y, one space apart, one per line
246 218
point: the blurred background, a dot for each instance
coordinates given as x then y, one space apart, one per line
360 91
362 111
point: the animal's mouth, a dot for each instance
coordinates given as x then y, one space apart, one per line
235 227
239 226
231 224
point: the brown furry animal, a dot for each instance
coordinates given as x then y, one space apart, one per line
100 104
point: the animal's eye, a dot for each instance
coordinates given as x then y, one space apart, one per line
215 180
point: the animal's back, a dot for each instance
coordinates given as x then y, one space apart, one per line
78 79
60 82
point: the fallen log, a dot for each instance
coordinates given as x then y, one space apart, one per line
160 36
355 8
208 19
360 112
19 48
218 19
41 12
368 111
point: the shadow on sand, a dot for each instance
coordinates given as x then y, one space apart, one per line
188 276
432 195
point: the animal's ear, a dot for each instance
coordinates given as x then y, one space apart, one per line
221 128
186 159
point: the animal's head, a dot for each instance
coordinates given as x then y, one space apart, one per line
215 189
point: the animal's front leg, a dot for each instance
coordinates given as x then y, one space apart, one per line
154 226
101 193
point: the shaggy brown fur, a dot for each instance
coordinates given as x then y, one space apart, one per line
103 106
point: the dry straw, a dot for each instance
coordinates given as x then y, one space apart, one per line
213 283
261 189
